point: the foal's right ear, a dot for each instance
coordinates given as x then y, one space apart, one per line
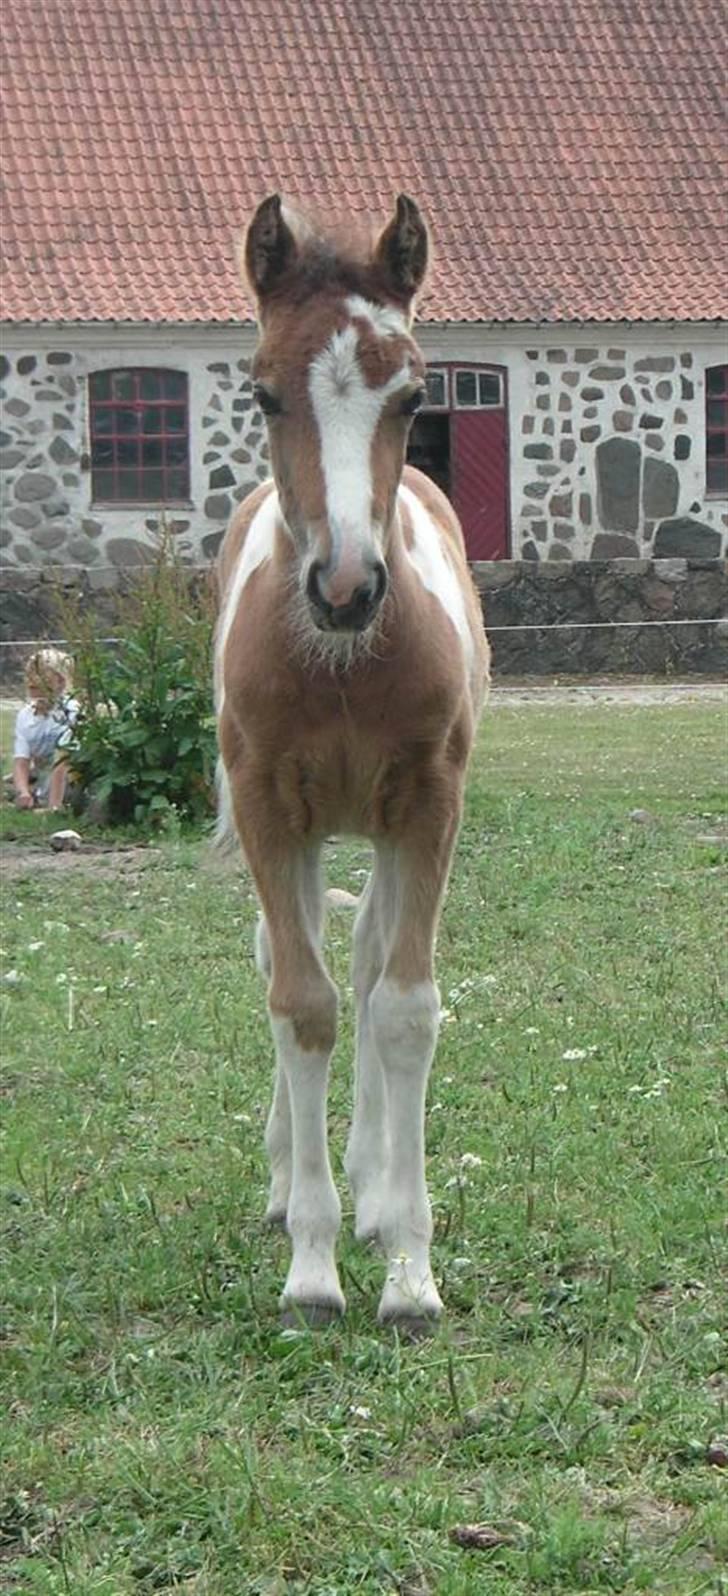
270 246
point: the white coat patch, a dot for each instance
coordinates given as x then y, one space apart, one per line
258 546
434 569
386 321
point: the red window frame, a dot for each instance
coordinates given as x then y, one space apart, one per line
716 430
139 435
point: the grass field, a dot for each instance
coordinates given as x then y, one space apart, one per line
161 1433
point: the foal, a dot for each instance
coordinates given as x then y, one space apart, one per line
351 665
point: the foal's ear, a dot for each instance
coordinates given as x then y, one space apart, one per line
402 250
270 246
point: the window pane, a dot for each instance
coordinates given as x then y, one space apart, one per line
716 380
152 454
174 385
128 484
717 412
717 443
122 385
153 419
436 388
717 476
103 484
489 388
100 385
102 452
102 420
150 384
177 483
175 418
152 486
466 388
176 451
126 420
127 453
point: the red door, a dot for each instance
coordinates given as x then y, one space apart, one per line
479 480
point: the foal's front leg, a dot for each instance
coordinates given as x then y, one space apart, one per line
302 1008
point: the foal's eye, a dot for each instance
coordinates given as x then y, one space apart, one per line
267 401
413 403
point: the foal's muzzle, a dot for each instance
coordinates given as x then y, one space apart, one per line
360 608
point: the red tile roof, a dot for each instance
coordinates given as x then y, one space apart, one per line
567 152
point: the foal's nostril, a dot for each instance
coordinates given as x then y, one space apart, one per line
313 587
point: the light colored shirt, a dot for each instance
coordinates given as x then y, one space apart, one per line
38 736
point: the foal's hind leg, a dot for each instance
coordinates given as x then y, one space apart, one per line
367 1153
404 1009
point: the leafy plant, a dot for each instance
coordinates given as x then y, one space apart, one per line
144 748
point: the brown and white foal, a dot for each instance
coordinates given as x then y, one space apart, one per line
351 665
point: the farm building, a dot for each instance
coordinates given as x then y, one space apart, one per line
567 157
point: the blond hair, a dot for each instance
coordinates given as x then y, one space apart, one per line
47 662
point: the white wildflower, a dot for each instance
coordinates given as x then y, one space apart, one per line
34 946
574 1055
360 1413
470 1161
560 1087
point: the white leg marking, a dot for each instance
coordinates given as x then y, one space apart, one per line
314 1210
278 1141
405 1023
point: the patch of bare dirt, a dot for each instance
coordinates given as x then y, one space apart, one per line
99 859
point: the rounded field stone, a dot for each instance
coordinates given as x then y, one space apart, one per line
682 447
4 367
211 544
34 486
24 517
83 550
26 364
59 357
613 546
48 537
222 477
10 458
61 452
684 536
129 551
17 407
61 422
218 506
93 529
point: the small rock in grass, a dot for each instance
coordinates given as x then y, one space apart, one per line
641 817
117 936
717 1452
65 842
12 978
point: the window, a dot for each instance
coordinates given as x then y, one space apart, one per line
716 429
436 384
139 436
477 390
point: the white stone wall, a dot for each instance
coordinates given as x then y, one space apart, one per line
606 438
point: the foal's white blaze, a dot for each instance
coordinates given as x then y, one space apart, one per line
434 569
258 546
347 411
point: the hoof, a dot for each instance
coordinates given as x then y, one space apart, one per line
309 1315
275 1218
368 1237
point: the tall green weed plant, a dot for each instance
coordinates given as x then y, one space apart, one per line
144 749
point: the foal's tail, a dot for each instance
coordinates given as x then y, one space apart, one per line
225 837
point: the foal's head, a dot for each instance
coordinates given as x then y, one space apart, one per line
339 378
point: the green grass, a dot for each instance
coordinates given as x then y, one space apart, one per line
162 1434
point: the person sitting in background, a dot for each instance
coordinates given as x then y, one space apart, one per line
43 729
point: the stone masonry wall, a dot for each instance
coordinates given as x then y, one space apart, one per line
514 593
46 509
611 443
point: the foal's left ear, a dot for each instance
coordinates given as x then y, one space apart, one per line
402 250
270 246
